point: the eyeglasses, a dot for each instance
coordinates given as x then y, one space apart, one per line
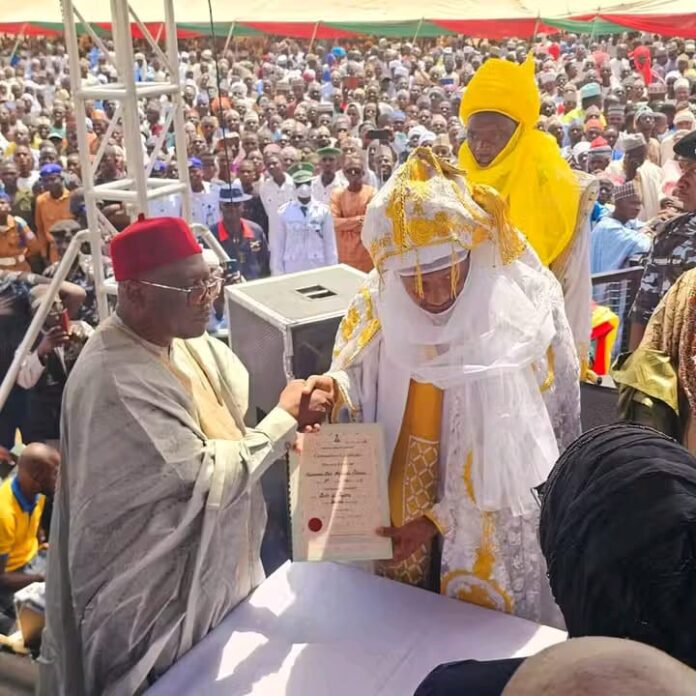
354 172
196 294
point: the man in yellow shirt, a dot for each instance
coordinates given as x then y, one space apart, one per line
22 499
51 206
590 95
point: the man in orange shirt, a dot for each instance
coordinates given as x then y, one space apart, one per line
99 127
17 241
348 206
51 206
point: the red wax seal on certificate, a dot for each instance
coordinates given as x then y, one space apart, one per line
315 524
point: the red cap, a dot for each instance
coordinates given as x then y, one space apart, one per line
148 244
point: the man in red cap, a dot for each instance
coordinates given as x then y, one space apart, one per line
159 513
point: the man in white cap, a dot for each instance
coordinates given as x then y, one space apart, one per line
458 345
140 68
684 120
547 84
635 165
184 66
616 237
204 203
414 135
305 238
427 138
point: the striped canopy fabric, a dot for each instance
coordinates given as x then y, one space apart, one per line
342 19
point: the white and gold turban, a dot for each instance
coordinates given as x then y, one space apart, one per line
427 211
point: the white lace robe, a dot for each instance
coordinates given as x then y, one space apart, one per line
491 558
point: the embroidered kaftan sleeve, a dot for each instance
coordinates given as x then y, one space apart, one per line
356 357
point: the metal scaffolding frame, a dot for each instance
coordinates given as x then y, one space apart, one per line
137 188
40 315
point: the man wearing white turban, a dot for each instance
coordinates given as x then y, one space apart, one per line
458 344
635 166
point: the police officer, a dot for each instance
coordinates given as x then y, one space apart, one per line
242 239
674 248
305 238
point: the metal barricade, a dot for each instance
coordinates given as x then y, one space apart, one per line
617 290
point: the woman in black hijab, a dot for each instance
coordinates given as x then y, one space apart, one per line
618 530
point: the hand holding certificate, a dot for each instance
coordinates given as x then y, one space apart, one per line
338 495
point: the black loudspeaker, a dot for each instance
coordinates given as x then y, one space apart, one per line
599 404
284 328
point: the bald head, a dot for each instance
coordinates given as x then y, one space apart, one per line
37 468
602 667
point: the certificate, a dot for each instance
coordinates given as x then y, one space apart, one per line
338 495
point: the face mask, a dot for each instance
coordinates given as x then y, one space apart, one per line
303 192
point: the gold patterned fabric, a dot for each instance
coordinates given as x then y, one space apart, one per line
672 330
428 211
213 416
413 476
357 329
476 584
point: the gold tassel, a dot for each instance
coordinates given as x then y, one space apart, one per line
510 243
419 277
454 275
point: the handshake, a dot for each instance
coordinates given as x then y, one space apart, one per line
309 401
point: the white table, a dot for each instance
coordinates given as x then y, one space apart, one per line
318 629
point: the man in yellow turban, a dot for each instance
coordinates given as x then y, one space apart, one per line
548 202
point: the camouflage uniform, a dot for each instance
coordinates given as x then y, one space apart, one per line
673 253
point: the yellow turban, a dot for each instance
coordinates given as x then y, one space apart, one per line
530 173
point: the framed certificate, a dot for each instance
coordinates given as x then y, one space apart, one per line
338 495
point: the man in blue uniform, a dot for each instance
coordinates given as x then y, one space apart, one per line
242 239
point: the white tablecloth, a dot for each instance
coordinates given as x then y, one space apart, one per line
325 629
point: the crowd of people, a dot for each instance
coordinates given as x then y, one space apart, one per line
416 163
